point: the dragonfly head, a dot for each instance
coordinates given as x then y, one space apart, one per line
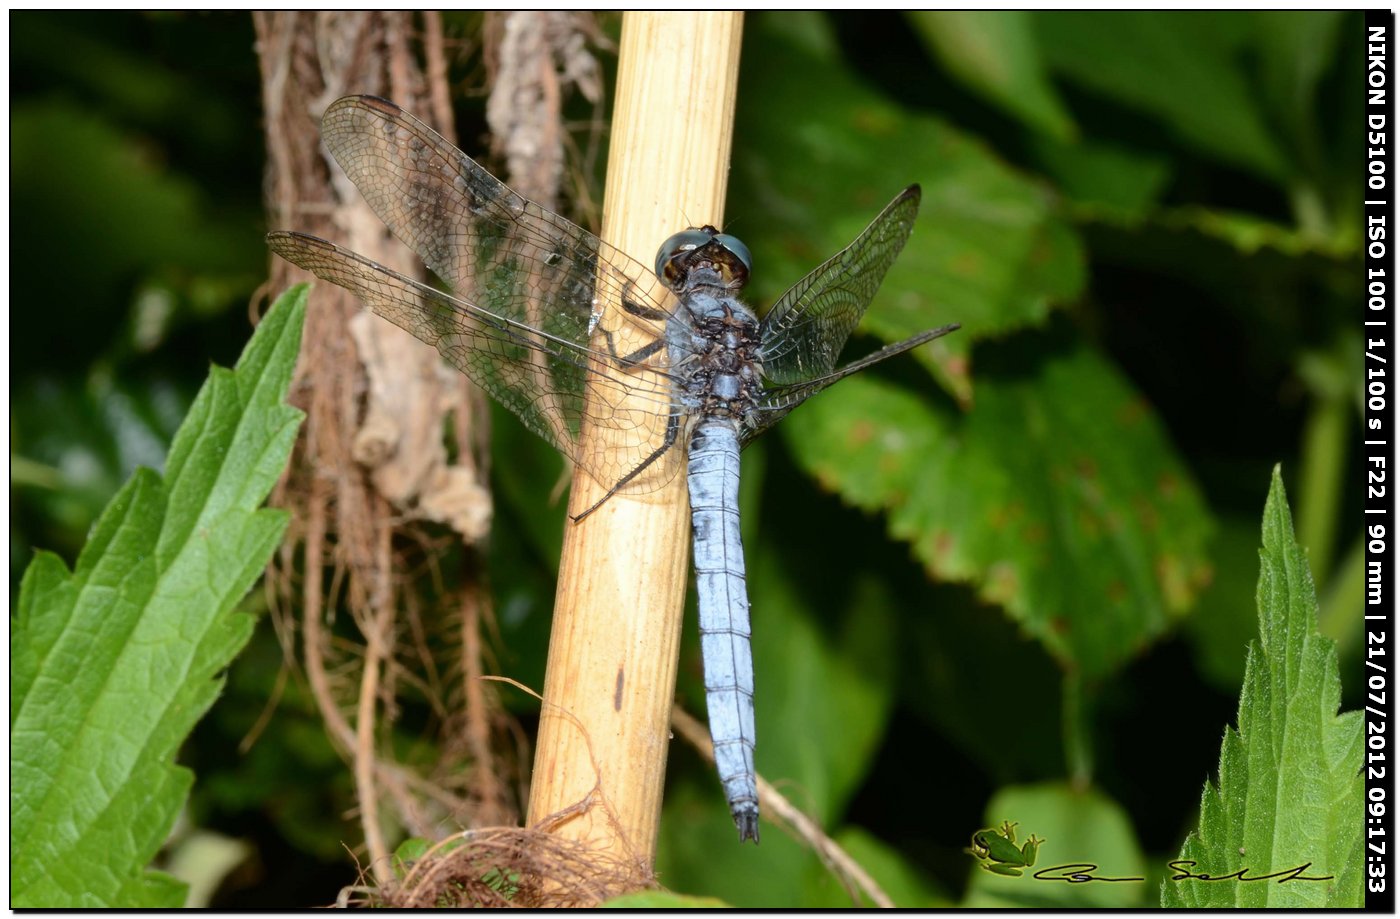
703 255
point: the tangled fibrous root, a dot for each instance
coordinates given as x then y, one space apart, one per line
508 867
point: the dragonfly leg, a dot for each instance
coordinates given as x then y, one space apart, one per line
673 424
642 310
633 361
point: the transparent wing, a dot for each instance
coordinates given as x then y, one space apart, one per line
529 289
538 374
806 329
804 332
777 400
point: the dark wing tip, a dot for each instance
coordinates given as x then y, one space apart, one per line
369 101
287 240
277 240
907 200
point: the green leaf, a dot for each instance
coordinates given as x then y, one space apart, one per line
79 170
1058 496
1222 624
1184 69
1077 827
897 877
662 899
988 250
995 54
408 852
947 646
77 440
1297 47
823 695
1290 791
698 852
1104 180
114 662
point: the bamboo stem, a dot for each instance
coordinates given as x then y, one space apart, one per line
622 578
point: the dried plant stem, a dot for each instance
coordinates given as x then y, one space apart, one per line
478 710
378 643
435 65
313 604
623 575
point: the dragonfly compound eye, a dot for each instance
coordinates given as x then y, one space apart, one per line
738 249
684 241
724 253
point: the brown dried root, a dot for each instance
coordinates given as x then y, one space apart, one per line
515 868
372 460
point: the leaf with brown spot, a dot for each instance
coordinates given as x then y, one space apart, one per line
1040 497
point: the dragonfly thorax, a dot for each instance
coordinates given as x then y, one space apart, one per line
721 370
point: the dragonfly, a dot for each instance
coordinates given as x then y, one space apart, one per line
680 373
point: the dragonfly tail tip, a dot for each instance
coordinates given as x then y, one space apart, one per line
747 822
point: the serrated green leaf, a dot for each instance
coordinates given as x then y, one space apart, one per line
114 662
1058 496
1078 827
988 249
994 53
1289 791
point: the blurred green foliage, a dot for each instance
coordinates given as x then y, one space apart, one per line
1011 569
